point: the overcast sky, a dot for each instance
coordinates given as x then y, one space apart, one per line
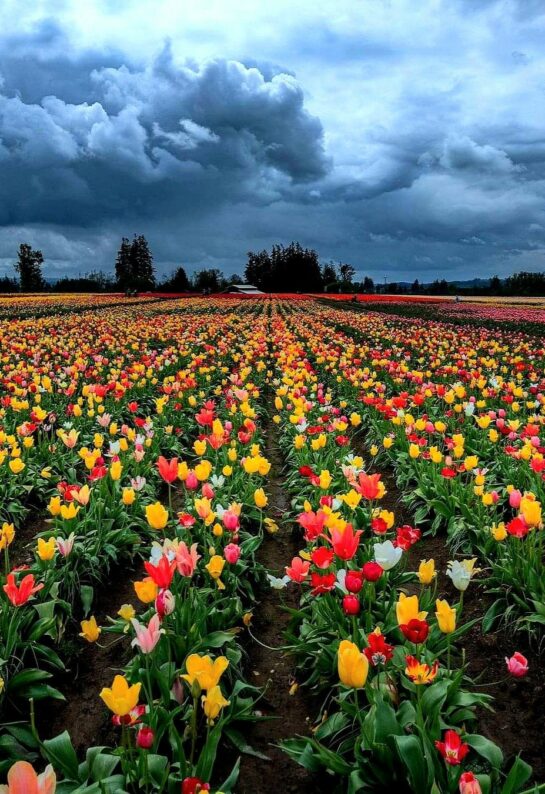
407 138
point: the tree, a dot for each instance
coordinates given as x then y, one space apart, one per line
29 267
368 285
208 280
8 284
329 277
415 287
123 267
346 273
142 269
291 267
178 281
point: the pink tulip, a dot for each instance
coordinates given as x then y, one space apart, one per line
517 665
207 491
191 481
514 499
148 636
298 570
186 559
230 521
232 553
65 545
145 737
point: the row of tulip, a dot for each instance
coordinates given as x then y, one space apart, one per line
160 445
460 415
373 636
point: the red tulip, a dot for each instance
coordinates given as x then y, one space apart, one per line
345 543
415 630
312 523
469 784
368 485
518 527
379 651
353 581
452 748
322 557
517 665
192 785
161 573
372 571
19 595
168 469
351 605
298 571
322 584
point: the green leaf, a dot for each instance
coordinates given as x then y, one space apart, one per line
485 748
60 752
412 756
519 773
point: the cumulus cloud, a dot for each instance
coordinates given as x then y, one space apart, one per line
155 137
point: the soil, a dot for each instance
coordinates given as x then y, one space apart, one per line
292 714
83 714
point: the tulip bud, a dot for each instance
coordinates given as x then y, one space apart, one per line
191 481
517 665
469 784
232 553
178 691
165 603
353 581
351 605
145 737
372 571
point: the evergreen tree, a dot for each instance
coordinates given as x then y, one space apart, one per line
178 281
329 277
142 272
29 267
368 285
123 267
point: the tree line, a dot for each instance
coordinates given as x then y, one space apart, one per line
285 268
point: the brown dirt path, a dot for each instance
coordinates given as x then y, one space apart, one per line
271 668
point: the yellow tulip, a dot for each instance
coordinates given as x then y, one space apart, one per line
213 702
215 569
205 671
69 511
16 465
531 510
156 515
128 496
121 698
352 665
426 572
46 549
260 498
499 532
126 612
54 505
90 631
199 447
446 616
407 609
115 470
146 590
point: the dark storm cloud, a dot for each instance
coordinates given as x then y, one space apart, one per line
409 140
145 141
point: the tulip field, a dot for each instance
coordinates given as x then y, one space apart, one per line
269 545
